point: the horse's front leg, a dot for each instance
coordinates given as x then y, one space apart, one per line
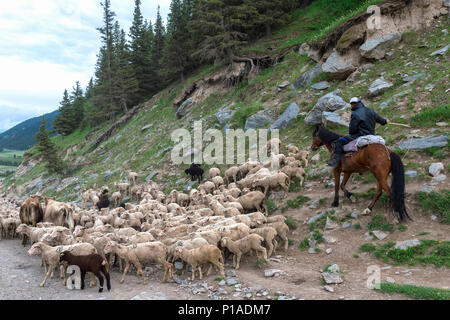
349 195
337 181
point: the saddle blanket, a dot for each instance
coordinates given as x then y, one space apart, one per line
361 142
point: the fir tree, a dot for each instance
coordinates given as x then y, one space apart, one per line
65 119
53 162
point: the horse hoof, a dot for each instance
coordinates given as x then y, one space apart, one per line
335 204
366 212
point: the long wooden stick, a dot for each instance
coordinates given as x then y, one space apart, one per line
400 124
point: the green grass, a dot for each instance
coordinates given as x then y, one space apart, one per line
367 247
379 222
435 202
429 116
295 203
291 223
415 292
432 252
271 206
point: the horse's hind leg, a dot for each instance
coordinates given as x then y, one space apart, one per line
337 181
349 195
381 185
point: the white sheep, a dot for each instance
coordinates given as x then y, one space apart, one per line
243 246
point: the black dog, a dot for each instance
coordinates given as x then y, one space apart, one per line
196 172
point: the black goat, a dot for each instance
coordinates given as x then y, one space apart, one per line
104 201
196 172
91 263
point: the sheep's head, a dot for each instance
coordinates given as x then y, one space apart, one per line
35 249
109 247
21 228
63 256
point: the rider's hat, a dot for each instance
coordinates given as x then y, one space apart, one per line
355 100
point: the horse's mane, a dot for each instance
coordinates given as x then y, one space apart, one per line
326 135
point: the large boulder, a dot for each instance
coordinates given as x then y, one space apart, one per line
376 47
286 118
354 35
423 143
333 119
257 121
328 103
436 168
338 67
379 86
185 108
306 78
225 114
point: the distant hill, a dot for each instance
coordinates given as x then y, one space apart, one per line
21 137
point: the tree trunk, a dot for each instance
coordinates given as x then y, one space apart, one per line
268 30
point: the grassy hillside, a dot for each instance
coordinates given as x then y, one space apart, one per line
21 137
147 151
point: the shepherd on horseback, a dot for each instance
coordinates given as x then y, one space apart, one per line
376 158
362 123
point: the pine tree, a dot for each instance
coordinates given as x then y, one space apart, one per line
271 12
178 46
140 46
124 80
223 24
157 49
64 120
77 101
53 162
105 72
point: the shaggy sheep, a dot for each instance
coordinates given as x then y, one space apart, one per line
232 173
213 172
132 177
282 231
251 201
294 172
269 234
137 254
244 245
273 181
197 257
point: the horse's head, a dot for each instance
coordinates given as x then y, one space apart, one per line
317 143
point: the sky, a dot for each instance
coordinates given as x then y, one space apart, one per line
47 45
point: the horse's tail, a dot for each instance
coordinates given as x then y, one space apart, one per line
398 187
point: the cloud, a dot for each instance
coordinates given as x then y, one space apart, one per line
47 45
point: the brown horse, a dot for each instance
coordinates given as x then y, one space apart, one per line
375 158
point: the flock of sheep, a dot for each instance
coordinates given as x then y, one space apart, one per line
198 228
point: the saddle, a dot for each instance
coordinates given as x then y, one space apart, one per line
357 144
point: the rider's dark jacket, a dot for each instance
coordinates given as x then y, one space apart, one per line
363 121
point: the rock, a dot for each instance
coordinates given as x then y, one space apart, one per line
378 87
189 185
439 178
329 239
306 78
222 283
272 272
257 121
178 265
316 158
385 104
330 225
433 218
312 251
231 282
151 176
426 190
333 268
376 47
230 273
403 245
255 289
334 119
411 174
329 289
284 84
413 77
346 225
429 87
338 67
368 236
441 124
332 278
184 108
390 280
380 235
329 251
321 85
145 128
225 114
316 217
289 116
436 168
352 35
328 103
441 52
423 143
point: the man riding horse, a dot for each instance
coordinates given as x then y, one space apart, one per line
362 123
